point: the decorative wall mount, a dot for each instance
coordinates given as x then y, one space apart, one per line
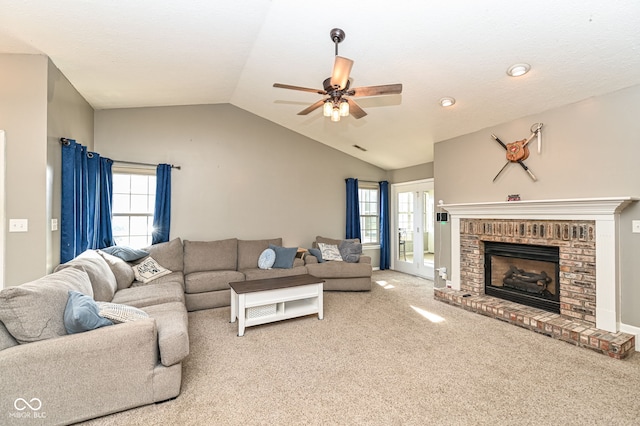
518 151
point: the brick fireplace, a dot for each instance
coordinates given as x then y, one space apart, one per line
585 232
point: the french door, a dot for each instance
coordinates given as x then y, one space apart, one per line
413 246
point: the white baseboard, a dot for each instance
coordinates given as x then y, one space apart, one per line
632 330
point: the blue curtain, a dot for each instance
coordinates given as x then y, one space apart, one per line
353 209
162 213
85 221
385 240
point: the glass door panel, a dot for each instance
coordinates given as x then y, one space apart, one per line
413 245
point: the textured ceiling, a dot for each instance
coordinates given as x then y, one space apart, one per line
138 53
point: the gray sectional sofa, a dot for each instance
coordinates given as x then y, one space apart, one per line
49 376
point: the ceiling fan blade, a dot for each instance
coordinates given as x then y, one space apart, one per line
341 71
387 89
312 107
354 109
303 89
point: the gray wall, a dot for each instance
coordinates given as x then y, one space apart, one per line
409 174
242 176
23 115
68 116
38 106
589 149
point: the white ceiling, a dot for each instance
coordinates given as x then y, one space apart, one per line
136 53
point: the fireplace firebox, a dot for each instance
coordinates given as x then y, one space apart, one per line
523 273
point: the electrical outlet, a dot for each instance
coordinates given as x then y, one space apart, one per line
54 224
635 226
18 225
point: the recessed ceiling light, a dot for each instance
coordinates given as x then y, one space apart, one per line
518 69
447 102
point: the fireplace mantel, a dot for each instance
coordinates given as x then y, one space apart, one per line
604 211
566 209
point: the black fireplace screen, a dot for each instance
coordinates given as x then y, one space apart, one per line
522 273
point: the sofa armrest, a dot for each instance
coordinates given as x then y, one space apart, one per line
309 259
85 375
365 259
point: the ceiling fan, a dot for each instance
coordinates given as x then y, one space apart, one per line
338 102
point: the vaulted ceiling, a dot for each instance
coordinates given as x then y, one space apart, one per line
153 53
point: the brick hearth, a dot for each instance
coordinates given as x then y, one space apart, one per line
581 333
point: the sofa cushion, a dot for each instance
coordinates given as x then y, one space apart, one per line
149 270
249 251
210 255
284 256
103 281
119 313
169 254
258 274
121 269
202 282
350 250
6 339
82 314
173 331
35 310
339 270
128 254
151 294
174 277
326 240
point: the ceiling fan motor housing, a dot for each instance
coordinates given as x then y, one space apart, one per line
337 35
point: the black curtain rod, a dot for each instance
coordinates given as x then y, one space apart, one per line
65 141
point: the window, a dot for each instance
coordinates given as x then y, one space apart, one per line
134 197
369 215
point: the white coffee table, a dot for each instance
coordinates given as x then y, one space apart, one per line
268 300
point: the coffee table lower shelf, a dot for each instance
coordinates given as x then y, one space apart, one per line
275 299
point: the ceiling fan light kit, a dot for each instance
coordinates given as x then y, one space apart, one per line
518 70
338 102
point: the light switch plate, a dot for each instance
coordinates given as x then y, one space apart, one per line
18 225
635 226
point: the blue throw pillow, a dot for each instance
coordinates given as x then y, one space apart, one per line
317 253
128 254
81 314
284 256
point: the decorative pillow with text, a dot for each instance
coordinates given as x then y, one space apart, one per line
149 270
330 252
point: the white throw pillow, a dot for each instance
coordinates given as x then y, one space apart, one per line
267 259
120 313
330 252
149 270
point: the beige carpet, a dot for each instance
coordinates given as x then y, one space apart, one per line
375 360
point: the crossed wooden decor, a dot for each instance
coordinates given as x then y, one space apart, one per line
518 151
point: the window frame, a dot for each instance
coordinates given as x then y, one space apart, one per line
131 171
376 188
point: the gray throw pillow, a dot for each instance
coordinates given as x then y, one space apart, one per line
128 254
81 314
317 253
284 256
350 250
